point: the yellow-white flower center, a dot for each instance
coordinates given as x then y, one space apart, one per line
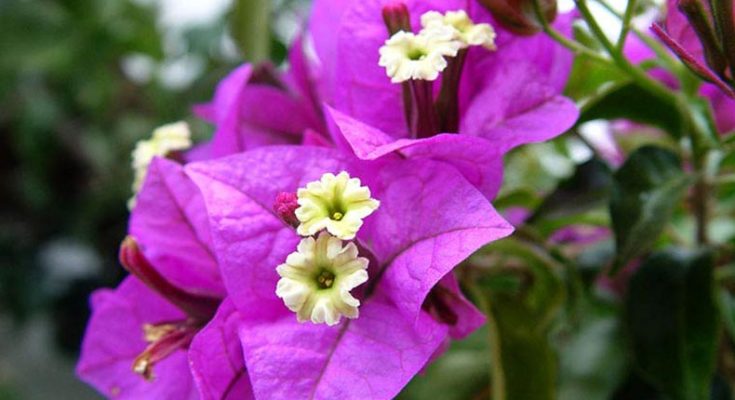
465 31
336 203
316 280
408 56
165 139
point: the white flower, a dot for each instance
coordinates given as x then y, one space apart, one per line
165 139
335 203
465 31
408 56
316 280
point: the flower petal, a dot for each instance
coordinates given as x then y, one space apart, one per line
170 223
216 360
114 337
371 357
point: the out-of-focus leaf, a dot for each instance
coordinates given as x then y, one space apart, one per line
535 167
631 102
726 300
463 372
521 197
587 188
524 363
593 359
646 189
250 28
673 324
590 78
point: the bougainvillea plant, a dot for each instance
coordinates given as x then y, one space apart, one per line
459 199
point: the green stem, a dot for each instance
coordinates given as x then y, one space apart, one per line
250 28
638 75
627 17
656 46
573 45
497 375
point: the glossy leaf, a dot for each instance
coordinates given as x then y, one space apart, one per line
633 103
587 188
592 357
673 324
646 190
524 364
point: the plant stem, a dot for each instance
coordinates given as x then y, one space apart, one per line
573 45
655 46
627 17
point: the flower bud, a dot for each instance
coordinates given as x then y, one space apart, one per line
699 19
285 207
519 16
396 18
198 307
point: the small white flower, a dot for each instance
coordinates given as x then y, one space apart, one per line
335 203
316 280
465 31
409 56
165 139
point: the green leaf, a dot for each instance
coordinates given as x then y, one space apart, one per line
592 357
673 324
646 189
629 101
587 188
524 363
250 28
461 373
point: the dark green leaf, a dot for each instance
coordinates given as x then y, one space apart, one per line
524 363
646 189
587 188
631 102
592 358
673 323
461 373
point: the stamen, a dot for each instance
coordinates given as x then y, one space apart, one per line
325 279
166 339
152 333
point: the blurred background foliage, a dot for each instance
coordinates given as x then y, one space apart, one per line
80 82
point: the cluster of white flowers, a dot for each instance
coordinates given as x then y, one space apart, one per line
422 56
317 278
